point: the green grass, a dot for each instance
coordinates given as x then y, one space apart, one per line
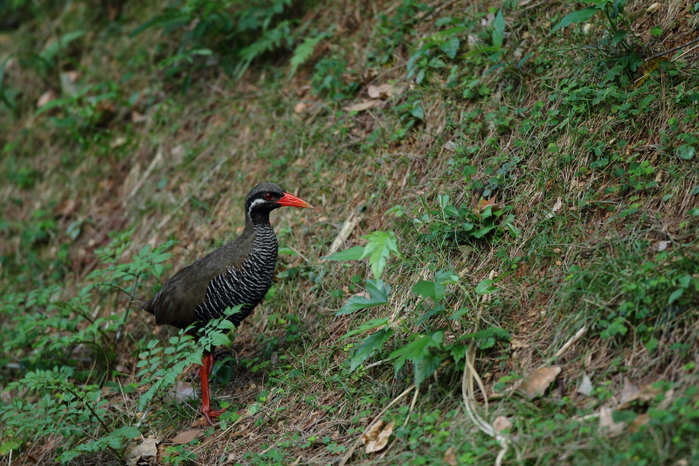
521 186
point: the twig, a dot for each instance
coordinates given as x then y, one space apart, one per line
693 41
578 335
345 232
350 452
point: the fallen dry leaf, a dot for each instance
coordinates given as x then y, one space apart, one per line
450 457
300 107
607 424
186 436
184 391
629 392
361 106
143 452
384 91
450 146
516 344
536 382
376 438
485 203
662 245
556 207
653 8
501 423
636 424
45 98
585 387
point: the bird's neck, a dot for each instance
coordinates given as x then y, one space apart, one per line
257 218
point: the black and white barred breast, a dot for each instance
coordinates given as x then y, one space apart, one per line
246 284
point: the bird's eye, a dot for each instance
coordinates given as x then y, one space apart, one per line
269 196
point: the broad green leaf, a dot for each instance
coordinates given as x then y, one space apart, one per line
458 352
486 287
685 281
380 246
483 231
373 323
425 366
686 152
424 288
619 36
451 32
443 200
378 294
351 254
446 276
417 349
461 312
576 17
435 289
372 343
498 30
450 47
54 47
675 295
431 313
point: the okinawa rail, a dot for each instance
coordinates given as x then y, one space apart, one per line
238 273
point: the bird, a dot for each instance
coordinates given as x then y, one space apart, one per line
238 273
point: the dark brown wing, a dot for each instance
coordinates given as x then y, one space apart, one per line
176 303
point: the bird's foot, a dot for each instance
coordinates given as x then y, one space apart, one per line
210 414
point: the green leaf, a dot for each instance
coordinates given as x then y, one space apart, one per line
685 281
373 323
458 352
686 152
416 351
450 47
486 287
675 295
576 17
57 45
461 312
435 290
619 36
371 344
425 366
424 288
303 52
380 247
351 254
378 295
656 31
498 30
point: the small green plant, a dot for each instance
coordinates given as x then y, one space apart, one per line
426 350
462 224
329 79
622 44
232 34
649 297
410 115
45 334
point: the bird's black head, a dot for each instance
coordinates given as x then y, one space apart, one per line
266 197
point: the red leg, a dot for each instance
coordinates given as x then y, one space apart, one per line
204 373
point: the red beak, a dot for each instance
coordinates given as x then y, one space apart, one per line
290 200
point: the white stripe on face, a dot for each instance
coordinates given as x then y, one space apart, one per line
254 203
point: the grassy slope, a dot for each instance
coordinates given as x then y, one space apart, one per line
590 166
